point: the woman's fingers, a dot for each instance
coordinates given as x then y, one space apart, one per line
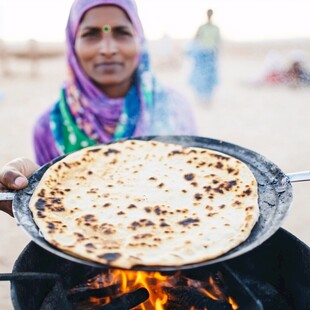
14 174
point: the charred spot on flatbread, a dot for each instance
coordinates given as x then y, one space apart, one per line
110 257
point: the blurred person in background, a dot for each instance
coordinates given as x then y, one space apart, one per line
294 74
204 53
272 69
298 74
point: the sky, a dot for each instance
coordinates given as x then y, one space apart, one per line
239 20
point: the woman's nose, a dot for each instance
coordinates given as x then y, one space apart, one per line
108 46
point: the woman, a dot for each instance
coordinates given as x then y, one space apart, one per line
111 93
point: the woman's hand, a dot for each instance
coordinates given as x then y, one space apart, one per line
14 176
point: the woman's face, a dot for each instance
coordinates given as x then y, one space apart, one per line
107 49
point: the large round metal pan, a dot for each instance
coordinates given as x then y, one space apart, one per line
274 188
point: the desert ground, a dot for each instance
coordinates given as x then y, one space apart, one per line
271 120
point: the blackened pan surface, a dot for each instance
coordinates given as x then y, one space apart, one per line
274 189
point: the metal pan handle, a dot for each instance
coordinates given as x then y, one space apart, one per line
299 176
7 195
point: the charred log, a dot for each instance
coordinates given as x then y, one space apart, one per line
174 306
127 301
220 288
84 293
188 297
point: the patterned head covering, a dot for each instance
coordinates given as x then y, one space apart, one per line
85 115
78 9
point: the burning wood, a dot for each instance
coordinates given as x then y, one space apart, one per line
84 292
127 301
192 298
117 289
123 302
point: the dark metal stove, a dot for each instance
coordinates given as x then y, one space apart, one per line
275 275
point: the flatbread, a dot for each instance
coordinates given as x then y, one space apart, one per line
146 203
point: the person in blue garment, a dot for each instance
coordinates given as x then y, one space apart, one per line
203 51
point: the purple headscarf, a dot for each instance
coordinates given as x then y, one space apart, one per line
92 110
78 9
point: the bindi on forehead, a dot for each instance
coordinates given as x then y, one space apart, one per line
106 28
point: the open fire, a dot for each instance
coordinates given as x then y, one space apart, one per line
41 280
142 290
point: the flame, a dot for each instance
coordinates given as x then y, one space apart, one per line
128 281
234 305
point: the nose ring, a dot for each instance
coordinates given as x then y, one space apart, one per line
106 28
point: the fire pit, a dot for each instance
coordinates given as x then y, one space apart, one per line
275 275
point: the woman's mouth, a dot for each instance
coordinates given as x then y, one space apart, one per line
108 66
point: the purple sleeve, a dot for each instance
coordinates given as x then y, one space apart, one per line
43 141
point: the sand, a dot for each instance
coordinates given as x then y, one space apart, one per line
273 121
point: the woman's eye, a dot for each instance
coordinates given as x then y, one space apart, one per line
91 34
123 33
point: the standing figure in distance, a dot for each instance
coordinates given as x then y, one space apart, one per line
204 52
